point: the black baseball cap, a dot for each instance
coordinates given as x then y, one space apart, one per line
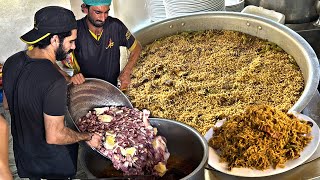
50 20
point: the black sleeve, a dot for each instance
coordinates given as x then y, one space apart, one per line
55 100
126 38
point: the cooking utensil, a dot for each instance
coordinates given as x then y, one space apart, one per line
188 153
91 94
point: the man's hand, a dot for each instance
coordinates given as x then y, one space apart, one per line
125 76
125 80
95 141
77 79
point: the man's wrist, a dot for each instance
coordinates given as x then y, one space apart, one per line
125 72
88 136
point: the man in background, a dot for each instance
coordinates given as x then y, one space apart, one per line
97 53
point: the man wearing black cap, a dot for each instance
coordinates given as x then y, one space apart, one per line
99 39
36 95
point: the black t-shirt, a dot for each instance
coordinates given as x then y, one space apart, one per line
34 87
101 58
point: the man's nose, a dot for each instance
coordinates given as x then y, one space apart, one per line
73 46
103 17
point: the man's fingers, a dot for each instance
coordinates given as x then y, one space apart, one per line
78 79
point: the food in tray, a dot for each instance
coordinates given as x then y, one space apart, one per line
130 142
261 137
198 77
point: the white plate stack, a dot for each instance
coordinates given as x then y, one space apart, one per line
156 10
234 5
184 7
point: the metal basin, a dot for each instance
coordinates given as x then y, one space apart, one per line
254 25
93 93
188 154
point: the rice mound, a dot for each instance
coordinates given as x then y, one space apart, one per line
199 77
260 138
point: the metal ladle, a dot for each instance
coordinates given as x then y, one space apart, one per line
317 23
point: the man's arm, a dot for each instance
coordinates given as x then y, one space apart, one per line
4 101
75 79
4 148
58 133
125 75
78 79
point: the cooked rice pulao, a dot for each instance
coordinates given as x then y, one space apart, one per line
198 77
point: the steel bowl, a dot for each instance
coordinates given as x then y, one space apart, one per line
91 94
250 24
188 154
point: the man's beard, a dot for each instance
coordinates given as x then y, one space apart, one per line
61 54
94 23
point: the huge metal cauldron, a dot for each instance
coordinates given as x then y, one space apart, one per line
257 26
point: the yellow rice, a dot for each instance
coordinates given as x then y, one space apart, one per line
198 77
260 138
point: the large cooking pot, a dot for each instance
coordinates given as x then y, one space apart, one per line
254 25
295 11
188 154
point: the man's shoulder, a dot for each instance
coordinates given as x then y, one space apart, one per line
80 22
114 21
17 55
82 19
15 59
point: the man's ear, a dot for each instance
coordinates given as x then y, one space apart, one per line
84 8
55 40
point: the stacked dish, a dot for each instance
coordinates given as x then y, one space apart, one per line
183 7
156 10
234 5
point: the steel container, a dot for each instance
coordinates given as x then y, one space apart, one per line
295 11
182 141
250 24
91 94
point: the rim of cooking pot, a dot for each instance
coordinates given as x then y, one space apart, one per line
204 143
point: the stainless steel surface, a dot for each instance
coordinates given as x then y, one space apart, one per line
295 11
264 28
310 33
318 6
93 93
317 23
182 141
313 38
252 2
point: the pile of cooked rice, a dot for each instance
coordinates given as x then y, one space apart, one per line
198 77
260 137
